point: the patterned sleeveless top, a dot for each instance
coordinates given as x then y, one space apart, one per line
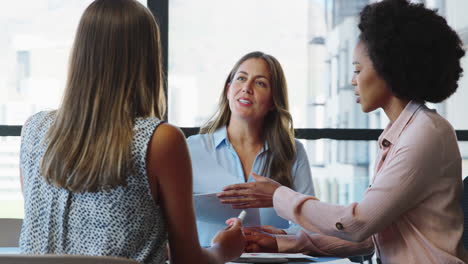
123 222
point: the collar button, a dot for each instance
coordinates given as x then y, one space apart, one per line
339 226
385 143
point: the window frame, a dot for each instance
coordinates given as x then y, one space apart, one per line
160 9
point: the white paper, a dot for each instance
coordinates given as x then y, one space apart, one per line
208 208
276 255
271 258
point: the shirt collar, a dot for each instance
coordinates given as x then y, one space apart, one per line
393 130
220 137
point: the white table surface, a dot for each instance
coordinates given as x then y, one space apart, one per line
328 260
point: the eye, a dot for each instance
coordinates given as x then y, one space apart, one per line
262 84
356 72
240 78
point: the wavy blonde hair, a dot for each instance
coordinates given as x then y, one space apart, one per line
115 75
278 131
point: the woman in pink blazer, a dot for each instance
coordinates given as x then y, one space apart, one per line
406 55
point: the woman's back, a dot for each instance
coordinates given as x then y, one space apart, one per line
124 221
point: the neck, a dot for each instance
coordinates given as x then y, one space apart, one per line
394 107
245 133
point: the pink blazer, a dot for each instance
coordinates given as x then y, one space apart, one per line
411 210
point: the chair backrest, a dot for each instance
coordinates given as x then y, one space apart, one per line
361 259
62 259
9 232
464 203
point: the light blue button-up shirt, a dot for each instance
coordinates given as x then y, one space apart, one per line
217 145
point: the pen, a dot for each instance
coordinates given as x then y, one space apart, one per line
242 215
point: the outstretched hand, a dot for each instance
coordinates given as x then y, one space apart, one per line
255 194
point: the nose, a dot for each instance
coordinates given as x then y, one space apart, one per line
353 81
247 88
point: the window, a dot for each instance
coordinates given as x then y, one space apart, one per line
204 46
313 40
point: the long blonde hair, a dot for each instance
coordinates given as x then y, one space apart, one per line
114 76
278 131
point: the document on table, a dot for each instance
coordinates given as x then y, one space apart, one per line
271 258
208 208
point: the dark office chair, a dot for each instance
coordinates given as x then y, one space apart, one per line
361 259
464 204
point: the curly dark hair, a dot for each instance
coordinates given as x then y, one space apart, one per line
413 49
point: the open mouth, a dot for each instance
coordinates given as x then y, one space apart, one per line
244 101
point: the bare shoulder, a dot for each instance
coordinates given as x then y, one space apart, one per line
167 136
169 132
167 144
168 158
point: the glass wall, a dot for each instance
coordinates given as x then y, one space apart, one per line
204 46
312 39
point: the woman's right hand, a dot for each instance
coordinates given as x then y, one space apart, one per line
230 240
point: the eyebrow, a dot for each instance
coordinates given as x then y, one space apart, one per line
258 76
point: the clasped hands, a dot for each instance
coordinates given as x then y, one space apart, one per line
255 194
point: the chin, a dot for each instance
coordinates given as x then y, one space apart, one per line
367 109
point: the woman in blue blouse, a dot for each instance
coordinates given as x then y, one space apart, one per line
251 133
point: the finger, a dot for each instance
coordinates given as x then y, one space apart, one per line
258 177
273 230
235 224
238 186
251 229
252 248
237 200
267 228
232 193
250 232
230 221
247 249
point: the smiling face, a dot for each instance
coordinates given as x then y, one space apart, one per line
372 91
249 92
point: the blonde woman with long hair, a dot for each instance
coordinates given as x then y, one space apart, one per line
102 175
251 133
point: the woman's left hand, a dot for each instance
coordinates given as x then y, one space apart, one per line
251 194
259 241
